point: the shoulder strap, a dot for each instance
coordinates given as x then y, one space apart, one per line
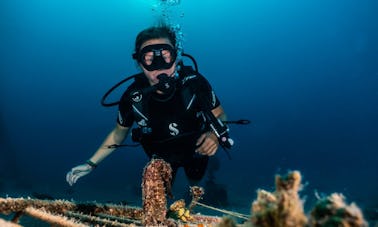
138 100
187 75
194 87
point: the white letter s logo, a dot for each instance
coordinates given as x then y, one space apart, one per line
173 128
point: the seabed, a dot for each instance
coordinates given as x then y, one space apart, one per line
280 208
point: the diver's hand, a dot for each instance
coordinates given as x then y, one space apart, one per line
207 144
77 172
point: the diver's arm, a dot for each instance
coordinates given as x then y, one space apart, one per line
219 113
115 137
208 142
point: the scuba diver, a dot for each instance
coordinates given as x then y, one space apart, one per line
178 116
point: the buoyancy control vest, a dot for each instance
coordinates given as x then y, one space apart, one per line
185 83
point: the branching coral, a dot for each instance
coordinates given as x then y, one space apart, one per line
157 177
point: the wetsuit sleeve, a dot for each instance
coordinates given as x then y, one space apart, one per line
125 111
207 93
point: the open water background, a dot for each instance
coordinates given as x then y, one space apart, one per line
304 72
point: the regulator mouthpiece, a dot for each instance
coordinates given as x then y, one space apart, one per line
166 84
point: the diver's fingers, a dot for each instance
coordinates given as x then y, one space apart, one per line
210 151
201 139
208 148
76 171
68 178
75 178
201 143
210 141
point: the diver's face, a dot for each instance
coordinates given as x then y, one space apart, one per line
152 75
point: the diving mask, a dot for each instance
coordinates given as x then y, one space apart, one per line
157 56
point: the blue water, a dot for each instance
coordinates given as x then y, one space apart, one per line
304 72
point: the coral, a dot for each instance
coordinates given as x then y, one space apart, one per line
50 218
281 208
57 212
205 220
227 222
177 205
333 211
178 210
196 193
157 177
4 223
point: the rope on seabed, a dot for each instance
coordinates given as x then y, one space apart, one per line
235 214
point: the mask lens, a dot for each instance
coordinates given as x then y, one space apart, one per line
167 56
159 56
147 58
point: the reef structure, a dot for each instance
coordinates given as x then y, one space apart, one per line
156 186
284 208
157 179
281 208
334 211
66 213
